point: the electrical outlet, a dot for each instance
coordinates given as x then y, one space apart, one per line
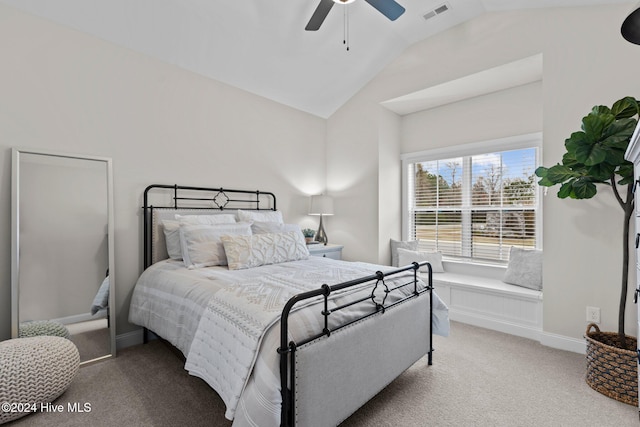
593 314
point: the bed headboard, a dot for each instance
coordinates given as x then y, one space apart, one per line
165 201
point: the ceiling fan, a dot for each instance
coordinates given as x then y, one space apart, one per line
388 8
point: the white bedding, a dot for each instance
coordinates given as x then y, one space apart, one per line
218 319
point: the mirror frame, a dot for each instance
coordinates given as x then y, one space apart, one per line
15 239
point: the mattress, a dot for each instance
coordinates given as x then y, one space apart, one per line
223 321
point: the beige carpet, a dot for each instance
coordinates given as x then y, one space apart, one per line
92 344
479 378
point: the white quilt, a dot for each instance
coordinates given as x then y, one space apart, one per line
220 319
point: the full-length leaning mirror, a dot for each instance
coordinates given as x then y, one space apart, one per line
62 250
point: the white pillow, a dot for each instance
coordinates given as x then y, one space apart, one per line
201 244
406 257
259 227
262 249
205 219
412 245
172 238
260 216
525 268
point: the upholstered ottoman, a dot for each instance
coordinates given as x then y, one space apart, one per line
33 371
42 327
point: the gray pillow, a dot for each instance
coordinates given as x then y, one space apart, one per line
411 245
406 257
525 268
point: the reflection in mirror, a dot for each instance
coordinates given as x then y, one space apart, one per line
62 250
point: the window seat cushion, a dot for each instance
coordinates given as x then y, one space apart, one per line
485 284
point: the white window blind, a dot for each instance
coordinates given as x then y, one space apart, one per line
474 206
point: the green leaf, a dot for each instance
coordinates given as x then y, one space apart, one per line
591 154
583 188
625 171
569 160
601 172
545 182
541 171
559 173
594 125
618 135
600 109
626 180
615 157
565 190
625 108
576 140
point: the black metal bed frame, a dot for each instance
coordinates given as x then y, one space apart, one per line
287 350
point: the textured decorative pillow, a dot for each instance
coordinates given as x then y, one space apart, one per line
259 227
406 257
260 216
172 238
201 244
525 268
262 249
412 245
205 219
172 229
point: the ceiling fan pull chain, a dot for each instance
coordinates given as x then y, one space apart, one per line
344 26
345 31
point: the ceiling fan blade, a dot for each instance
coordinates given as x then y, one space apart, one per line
319 15
388 8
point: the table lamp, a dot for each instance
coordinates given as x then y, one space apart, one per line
321 205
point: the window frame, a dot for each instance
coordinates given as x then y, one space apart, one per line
531 140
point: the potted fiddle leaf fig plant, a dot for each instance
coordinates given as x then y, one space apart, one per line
594 158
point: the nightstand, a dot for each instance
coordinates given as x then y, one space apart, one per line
327 251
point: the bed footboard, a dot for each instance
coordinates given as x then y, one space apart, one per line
379 351
326 378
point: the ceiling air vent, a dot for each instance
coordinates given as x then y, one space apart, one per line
437 11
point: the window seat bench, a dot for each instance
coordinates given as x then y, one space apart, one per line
476 294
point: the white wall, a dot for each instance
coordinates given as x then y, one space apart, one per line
586 62
67 91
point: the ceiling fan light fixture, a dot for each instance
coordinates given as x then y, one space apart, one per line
389 8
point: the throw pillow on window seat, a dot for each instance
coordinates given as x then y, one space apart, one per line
524 268
406 257
411 245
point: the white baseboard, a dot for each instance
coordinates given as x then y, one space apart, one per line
84 317
562 342
548 339
495 324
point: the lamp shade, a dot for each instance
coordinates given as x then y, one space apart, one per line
631 27
321 205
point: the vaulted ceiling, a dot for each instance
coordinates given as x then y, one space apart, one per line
261 46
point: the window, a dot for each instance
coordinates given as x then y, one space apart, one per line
474 202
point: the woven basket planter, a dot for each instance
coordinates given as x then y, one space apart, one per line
611 370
